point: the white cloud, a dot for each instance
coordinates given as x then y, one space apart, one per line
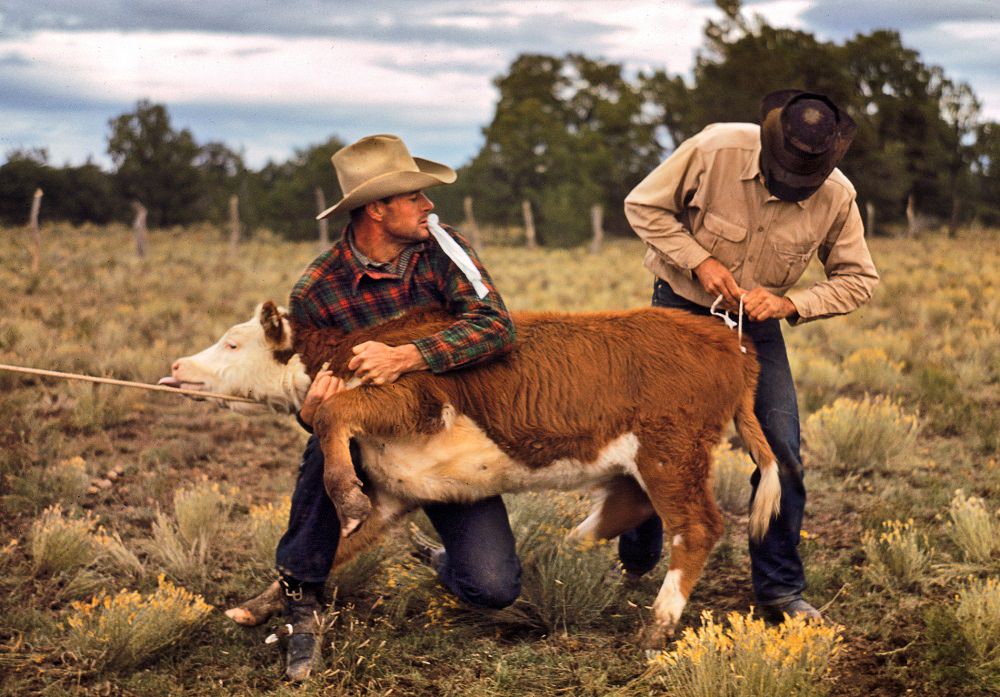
237 79
180 67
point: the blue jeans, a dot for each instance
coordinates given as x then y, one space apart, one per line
776 568
480 564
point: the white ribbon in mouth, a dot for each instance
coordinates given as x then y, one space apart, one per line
458 255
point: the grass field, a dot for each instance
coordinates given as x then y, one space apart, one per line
130 519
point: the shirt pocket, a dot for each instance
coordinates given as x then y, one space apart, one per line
785 262
724 239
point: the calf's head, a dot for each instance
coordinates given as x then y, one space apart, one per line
253 359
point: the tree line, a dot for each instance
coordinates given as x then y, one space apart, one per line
569 132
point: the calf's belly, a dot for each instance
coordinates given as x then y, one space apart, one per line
461 463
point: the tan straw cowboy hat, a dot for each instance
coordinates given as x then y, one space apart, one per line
803 137
379 166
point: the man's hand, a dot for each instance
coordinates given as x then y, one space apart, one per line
375 363
760 304
715 279
324 385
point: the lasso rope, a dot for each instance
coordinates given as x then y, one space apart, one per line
724 315
124 383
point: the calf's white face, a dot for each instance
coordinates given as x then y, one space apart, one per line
243 364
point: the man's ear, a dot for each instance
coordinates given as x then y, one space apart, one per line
375 210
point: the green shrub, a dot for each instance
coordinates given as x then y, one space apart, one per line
97 409
817 379
871 370
122 631
201 511
731 478
65 481
973 528
860 436
267 524
897 557
749 659
183 560
978 615
61 543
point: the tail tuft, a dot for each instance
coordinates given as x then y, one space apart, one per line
767 502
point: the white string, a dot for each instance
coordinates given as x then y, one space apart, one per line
457 255
724 316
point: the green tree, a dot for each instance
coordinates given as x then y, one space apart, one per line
222 174
916 128
960 113
282 196
986 172
74 194
567 133
155 165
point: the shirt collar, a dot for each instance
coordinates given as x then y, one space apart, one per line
360 265
751 170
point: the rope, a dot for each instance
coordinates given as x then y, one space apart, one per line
124 383
724 315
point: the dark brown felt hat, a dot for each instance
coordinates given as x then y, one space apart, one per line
803 137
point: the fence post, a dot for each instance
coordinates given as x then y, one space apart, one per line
324 228
36 252
139 228
597 225
471 228
869 218
529 224
912 217
234 222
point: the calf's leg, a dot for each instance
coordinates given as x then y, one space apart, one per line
679 490
392 410
621 506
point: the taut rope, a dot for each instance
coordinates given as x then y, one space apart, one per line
124 383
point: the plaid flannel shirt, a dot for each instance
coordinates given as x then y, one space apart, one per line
337 290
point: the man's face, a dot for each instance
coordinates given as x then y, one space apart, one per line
405 217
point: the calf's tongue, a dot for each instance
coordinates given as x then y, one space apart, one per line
169 382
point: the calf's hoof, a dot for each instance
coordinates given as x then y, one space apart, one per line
352 509
257 610
654 637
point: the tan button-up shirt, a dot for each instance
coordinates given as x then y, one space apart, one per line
708 199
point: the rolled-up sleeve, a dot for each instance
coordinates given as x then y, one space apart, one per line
851 276
655 204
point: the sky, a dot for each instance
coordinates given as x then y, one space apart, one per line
267 77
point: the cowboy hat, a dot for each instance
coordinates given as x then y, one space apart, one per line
379 166
803 137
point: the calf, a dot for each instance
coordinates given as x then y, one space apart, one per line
631 403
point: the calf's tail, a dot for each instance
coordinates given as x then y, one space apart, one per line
767 501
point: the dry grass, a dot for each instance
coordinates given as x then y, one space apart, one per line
927 345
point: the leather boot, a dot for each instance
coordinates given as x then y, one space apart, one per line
302 613
796 607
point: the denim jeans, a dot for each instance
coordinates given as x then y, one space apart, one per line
480 564
776 568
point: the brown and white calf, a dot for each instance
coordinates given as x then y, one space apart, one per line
630 403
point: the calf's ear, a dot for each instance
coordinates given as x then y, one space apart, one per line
273 322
